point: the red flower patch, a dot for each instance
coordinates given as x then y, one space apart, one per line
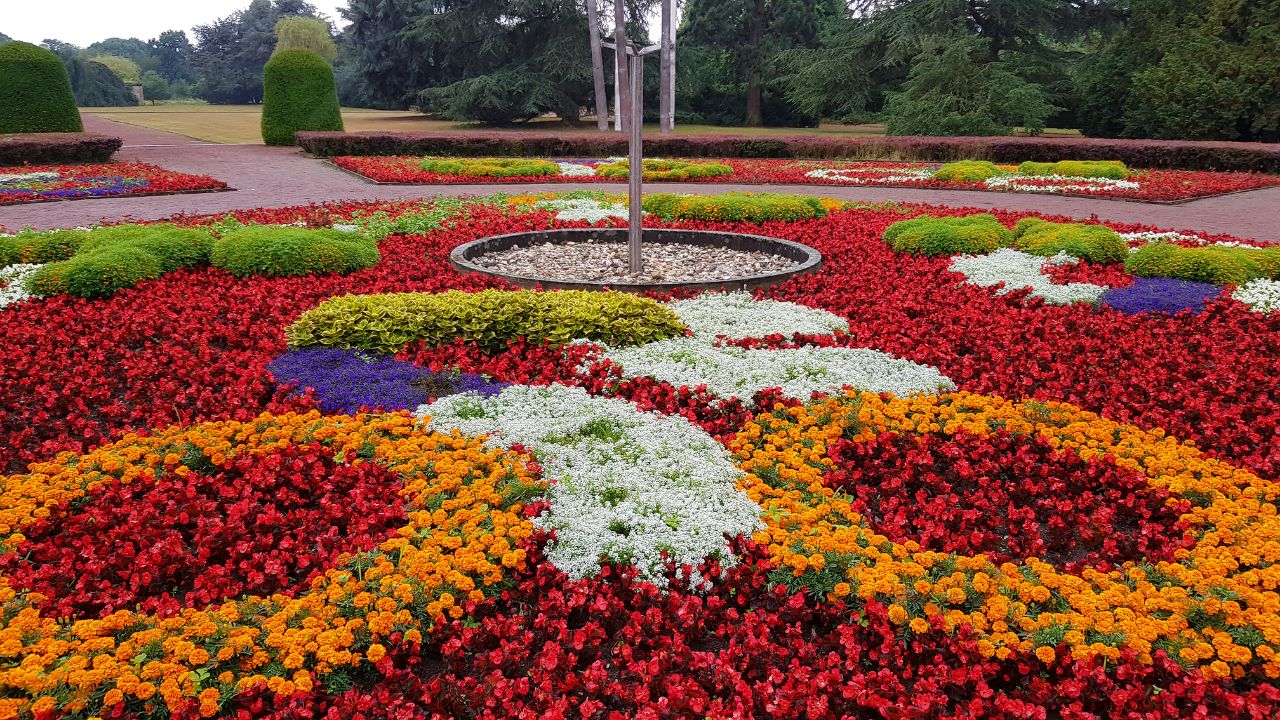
1009 497
257 524
36 183
1085 272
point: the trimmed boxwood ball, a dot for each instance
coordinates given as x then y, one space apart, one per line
969 235
967 170
98 274
266 250
100 262
298 94
174 247
1095 243
1210 264
41 247
35 93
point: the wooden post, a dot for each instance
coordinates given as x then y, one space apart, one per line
635 163
622 104
597 66
666 81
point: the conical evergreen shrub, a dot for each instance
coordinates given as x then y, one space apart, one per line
35 94
298 94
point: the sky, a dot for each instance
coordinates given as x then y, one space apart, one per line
83 22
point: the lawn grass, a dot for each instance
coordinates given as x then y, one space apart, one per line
240 123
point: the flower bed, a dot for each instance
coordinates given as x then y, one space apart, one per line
1099 544
37 183
1147 185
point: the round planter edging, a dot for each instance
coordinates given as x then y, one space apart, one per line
806 259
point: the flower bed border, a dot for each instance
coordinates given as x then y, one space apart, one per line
228 188
730 180
57 148
1170 154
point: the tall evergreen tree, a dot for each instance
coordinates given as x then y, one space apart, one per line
739 39
232 51
174 54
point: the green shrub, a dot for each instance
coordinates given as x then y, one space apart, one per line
735 206
1095 243
174 247
41 247
35 94
971 170
969 235
1113 169
660 170
101 273
266 250
491 167
387 323
1210 263
298 93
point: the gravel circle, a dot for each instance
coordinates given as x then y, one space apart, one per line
606 262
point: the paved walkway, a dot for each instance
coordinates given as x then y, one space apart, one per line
277 177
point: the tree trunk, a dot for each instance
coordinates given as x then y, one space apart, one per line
622 96
597 67
755 69
666 88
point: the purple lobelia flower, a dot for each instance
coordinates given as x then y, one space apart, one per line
1160 295
347 380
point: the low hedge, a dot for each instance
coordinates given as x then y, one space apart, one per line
1113 169
1210 263
1182 154
490 167
968 235
270 250
748 207
1095 243
970 170
99 263
387 323
660 170
56 148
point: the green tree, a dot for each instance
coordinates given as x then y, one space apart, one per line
95 85
305 33
501 61
735 41
299 95
232 51
951 91
35 94
124 68
4 38
155 87
131 48
1198 69
173 53
63 50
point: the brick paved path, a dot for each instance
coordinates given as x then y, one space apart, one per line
276 177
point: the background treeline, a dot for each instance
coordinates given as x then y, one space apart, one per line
1195 69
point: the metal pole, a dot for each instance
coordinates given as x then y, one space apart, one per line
635 177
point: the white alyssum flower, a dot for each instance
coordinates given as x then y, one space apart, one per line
1017 270
1067 184
343 227
1262 296
584 209
635 487
731 371
872 175
569 169
738 315
1150 236
13 282
28 177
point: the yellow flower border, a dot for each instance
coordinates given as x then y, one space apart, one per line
1215 606
463 502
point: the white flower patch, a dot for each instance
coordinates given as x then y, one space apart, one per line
1018 270
843 175
584 209
343 227
1150 236
28 177
13 283
739 315
570 169
1068 184
1262 296
630 486
739 372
